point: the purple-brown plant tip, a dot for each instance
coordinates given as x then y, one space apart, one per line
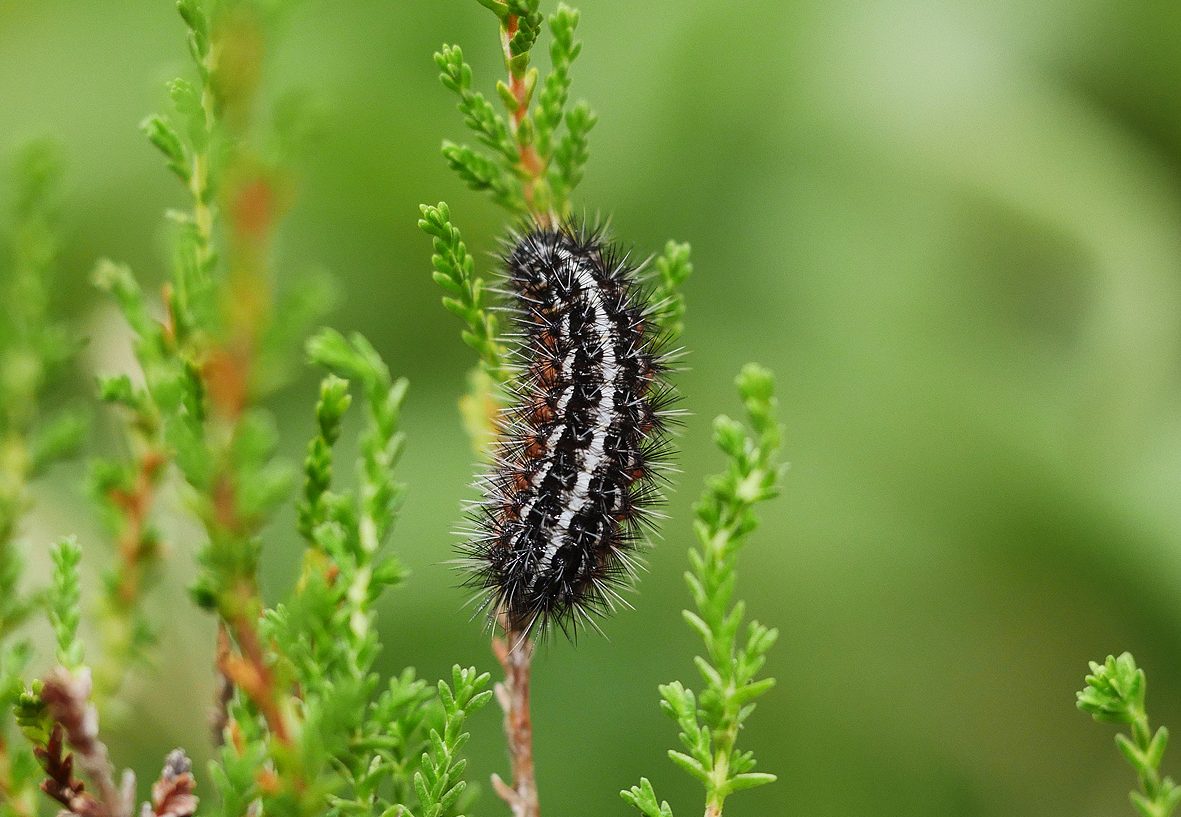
67 696
172 793
60 783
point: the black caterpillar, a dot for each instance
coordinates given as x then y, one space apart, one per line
579 451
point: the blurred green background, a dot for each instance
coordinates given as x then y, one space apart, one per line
954 231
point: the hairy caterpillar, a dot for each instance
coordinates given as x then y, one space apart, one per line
580 447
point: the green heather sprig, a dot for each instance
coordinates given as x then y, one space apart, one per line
673 267
569 149
65 602
313 702
1115 694
58 718
18 767
159 418
710 721
163 419
223 444
538 154
323 515
439 783
388 749
338 743
467 295
125 487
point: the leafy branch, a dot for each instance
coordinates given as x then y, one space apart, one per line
125 488
538 152
438 783
65 603
1115 694
354 751
318 647
363 575
466 296
466 293
213 358
709 722
58 711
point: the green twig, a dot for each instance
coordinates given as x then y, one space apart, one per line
438 784
538 152
710 722
1115 694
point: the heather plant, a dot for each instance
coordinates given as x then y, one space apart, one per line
1115 693
303 723
534 155
710 721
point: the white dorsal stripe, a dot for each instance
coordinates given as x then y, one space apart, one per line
589 459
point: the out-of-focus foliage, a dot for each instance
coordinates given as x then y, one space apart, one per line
952 229
300 727
34 350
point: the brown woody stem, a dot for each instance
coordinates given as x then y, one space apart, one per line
248 670
514 651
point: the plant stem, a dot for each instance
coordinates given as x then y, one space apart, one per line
250 672
67 695
514 651
233 198
137 551
531 163
203 216
1150 779
133 546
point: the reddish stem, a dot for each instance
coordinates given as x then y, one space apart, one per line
134 545
224 687
514 650
530 160
515 653
248 670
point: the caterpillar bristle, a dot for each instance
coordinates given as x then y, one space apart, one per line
582 445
